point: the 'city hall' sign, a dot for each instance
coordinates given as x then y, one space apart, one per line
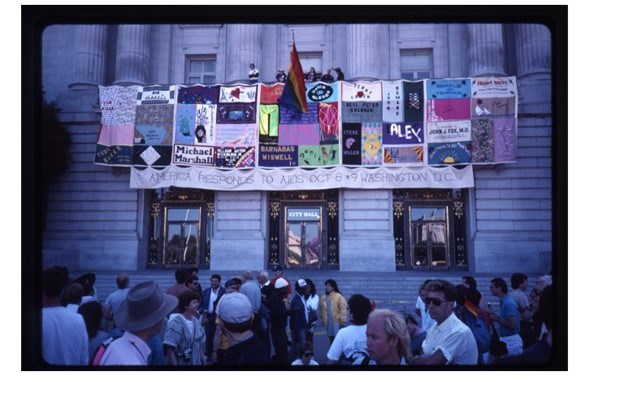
379 134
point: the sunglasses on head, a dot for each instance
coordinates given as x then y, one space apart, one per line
435 301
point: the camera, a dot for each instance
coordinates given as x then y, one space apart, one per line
186 355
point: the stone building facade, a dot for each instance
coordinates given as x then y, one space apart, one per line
95 221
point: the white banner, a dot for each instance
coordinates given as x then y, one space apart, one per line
238 94
494 87
303 179
361 92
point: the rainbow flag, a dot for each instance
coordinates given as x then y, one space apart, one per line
477 312
294 90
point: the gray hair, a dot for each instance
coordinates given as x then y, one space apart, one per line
546 280
263 275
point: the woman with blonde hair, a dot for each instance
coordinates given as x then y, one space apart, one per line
387 339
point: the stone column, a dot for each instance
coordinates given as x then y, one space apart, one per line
486 50
89 56
533 57
244 46
133 55
363 51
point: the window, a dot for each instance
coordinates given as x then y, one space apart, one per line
416 64
311 59
201 69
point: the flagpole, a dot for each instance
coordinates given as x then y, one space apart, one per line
294 90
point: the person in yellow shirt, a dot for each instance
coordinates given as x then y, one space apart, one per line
332 309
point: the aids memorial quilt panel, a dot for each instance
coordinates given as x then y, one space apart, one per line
116 137
349 128
493 108
383 123
291 138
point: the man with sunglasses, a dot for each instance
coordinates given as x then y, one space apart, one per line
448 341
306 356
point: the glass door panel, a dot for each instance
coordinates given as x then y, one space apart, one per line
429 239
191 243
304 232
438 244
182 236
420 256
294 243
312 243
174 231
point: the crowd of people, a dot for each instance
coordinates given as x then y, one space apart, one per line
310 76
261 321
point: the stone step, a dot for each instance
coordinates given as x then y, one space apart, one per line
397 290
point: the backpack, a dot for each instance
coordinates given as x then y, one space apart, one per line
99 353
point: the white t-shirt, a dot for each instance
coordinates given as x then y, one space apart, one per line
350 342
126 350
313 302
454 339
253 74
213 297
64 339
298 362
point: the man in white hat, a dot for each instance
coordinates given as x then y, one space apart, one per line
141 316
235 316
279 311
281 76
278 272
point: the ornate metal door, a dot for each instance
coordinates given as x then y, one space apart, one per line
430 229
304 245
303 229
180 227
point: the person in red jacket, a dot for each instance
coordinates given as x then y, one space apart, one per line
278 272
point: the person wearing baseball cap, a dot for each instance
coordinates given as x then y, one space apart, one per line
298 319
281 76
279 312
278 272
339 74
235 315
141 316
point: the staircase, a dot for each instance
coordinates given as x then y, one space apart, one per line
393 290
